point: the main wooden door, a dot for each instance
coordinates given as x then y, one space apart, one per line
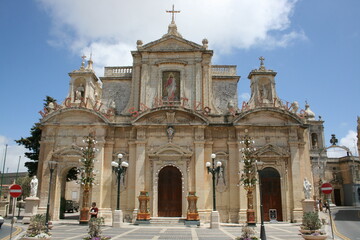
271 193
169 192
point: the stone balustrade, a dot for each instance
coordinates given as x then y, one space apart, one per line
118 71
223 70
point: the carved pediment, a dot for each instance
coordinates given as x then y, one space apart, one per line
175 116
170 151
270 150
268 117
171 43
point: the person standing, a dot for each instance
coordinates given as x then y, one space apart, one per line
94 210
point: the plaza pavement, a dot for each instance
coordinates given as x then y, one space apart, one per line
70 229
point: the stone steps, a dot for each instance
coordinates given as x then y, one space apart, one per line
167 221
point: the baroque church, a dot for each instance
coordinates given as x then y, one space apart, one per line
167 114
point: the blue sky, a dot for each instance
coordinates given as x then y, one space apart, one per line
313 45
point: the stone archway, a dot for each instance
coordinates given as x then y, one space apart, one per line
170 192
271 193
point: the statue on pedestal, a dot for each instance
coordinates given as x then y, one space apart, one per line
34 186
307 188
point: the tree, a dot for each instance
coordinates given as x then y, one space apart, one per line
24 182
33 144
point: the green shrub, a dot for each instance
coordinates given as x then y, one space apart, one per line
311 221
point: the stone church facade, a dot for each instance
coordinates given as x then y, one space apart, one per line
167 113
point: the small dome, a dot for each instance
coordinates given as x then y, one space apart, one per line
309 114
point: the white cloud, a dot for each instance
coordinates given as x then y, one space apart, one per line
349 141
13 152
111 27
244 97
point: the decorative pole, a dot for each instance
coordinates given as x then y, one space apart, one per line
87 175
52 165
262 227
248 177
214 169
119 168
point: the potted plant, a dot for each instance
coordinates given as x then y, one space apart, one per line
247 233
95 229
37 228
310 228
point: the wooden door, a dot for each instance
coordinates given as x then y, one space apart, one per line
271 193
169 192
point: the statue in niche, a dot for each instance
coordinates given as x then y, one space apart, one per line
80 92
220 183
307 188
264 93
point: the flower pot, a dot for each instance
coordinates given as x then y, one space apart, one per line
314 237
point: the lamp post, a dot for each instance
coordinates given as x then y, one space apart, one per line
262 227
248 178
119 168
52 165
214 169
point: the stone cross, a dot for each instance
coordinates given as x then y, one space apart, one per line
261 61
172 13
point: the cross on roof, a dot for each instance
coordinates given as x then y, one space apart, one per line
172 13
261 60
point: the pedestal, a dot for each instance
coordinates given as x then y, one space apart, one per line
250 215
31 207
214 219
308 205
117 219
84 215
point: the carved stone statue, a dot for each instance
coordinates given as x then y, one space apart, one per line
80 92
33 186
307 188
294 107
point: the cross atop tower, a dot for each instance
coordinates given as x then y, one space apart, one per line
261 60
172 13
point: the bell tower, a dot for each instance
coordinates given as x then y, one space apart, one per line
262 84
84 84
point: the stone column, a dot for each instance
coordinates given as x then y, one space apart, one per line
131 194
144 83
200 174
139 173
197 86
106 183
233 170
297 193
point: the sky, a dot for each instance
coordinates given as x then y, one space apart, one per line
313 45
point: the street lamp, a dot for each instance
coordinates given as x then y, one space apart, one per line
214 169
262 228
119 168
52 165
